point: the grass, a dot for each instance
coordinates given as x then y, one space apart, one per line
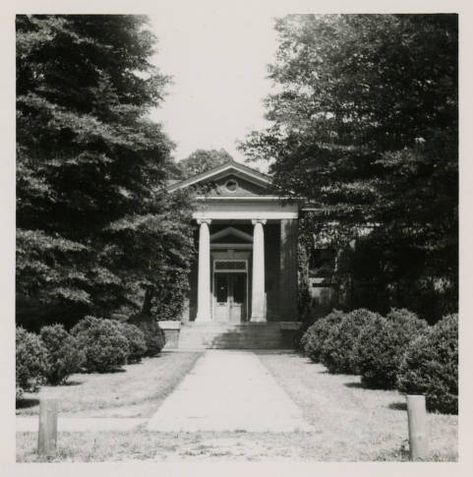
159 447
137 391
350 423
355 423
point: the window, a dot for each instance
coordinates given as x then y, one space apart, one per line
221 288
322 263
231 185
239 288
230 265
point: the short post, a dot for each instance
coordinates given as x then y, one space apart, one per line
417 422
47 435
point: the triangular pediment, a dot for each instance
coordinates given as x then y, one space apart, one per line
231 179
235 234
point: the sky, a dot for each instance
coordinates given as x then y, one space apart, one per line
218 59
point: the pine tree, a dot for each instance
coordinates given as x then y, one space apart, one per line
93 216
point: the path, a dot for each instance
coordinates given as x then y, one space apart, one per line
228 391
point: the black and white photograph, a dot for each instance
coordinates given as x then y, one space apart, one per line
236 235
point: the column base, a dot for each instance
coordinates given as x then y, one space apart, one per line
258 319
205 318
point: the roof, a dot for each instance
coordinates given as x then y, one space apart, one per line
228 167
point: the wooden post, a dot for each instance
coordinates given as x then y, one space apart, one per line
47 435
417 421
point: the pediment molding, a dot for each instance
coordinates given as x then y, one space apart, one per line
229 169
231 231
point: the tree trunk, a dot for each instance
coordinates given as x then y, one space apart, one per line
146 308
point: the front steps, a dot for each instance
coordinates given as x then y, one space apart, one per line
233 336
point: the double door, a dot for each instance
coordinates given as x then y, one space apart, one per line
230 296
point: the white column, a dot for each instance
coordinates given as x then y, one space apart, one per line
203 283
258 308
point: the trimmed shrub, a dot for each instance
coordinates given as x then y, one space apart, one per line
31 362
430 366
313 339
103 342
136 342
405 316
154 334
64 355
337 349
381 345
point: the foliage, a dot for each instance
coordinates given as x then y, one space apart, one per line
403 317
154 335
337 351
136 342
381 345
314 338
201 161
103 342
97 231
430 366
156 258
364 123
31 361
389 274
65 357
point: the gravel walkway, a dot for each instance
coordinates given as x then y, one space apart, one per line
228 391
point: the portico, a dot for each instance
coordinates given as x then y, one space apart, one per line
246 267
226 272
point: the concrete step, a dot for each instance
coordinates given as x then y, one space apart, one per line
230 336
223 341
231 326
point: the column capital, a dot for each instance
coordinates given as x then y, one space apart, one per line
204 221
258 221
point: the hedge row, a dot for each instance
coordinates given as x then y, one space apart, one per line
93 345
396 351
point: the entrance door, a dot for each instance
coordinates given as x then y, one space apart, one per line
230 297
238 302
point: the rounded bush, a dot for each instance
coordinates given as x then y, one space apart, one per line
154 335
136 342
103 342
403 316
381 344
430 366
337 349
313 339
31 361
64 355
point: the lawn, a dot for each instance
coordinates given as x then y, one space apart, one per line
350 423
355 423
136 391
141 445
158 446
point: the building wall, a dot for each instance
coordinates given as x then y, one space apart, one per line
288 271
272 239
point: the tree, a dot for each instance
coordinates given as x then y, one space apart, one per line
93 214
364 124
203 160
